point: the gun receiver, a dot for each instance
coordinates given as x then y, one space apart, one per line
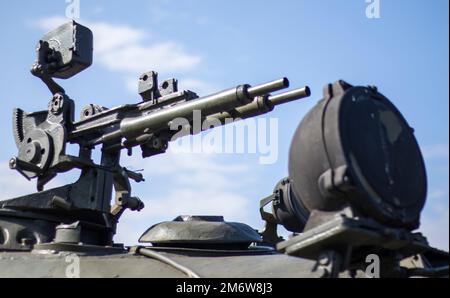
133 128
41 136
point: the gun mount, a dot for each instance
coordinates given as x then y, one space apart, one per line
82 211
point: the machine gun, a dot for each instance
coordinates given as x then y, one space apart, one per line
81 212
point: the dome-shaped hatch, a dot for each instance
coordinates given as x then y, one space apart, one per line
207 232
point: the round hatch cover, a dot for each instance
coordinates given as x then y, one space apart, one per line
209 232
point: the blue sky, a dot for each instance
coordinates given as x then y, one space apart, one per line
211 45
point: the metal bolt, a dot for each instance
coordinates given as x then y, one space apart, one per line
56 104
374 89
346 179
26 241
324 259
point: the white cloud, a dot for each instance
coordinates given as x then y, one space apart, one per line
435 151
195 184
437 194
435 228
13 184
107 37
130 51
131 83
435 219
162 57
198 86
50 22
124 48
174 164
197 201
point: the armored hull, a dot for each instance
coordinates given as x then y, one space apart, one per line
205 264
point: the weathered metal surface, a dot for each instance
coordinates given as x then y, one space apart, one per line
128 265
201 230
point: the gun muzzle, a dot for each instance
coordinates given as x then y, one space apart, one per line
268 87
289 96
261 105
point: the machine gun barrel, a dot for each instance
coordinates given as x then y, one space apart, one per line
261 105
133 127
289 96
268 87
